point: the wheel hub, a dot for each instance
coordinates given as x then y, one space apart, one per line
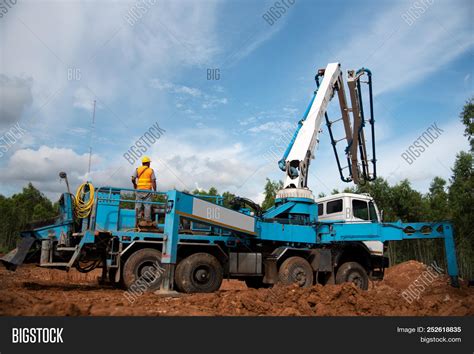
299 276
201 275
356 279
149 272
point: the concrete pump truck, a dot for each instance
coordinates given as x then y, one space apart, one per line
196 241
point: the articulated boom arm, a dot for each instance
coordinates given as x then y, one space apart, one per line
301 149
296 159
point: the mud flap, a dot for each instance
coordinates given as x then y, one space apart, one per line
15 257
270 270
332 278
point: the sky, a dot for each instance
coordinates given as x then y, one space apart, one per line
148 62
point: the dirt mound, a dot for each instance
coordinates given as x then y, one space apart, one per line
403 274
43 292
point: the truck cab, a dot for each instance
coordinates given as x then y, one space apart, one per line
351 208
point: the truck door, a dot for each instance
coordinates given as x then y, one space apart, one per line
365 211
335 210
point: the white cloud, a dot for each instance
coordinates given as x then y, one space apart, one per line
83 99
399 54
173 88
214 101
272 127
15 97
468 83
250 43
219 88
188 90
291 111
112 56
203 157
115 61
41 167
274 120
184 93
79 131
437 160
248 120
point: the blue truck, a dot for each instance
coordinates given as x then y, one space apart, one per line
195 241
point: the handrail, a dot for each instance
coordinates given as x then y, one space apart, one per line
130 190
133 201
218 198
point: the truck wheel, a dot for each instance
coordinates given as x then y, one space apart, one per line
296 270
199 273
142 270
353 272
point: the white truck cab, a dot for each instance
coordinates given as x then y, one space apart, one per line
351 208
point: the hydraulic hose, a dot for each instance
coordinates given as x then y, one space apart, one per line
82 206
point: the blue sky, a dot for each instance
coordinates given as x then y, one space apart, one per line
219 132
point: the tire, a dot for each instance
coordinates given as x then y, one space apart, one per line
353 272
142 270
199 273
296 270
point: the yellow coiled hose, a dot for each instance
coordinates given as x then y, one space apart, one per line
82 207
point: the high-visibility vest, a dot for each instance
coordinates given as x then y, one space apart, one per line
144 177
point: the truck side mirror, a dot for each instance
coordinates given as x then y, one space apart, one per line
381 215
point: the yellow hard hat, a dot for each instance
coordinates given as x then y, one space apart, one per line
145 159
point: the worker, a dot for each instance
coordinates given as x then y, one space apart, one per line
144 179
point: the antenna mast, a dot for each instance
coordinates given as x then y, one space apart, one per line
90 144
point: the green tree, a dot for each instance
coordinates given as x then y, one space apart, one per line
407 204
402 202
19 210
212 191
203 191
461 205
381 191
467 118
271 189
438 200
227 198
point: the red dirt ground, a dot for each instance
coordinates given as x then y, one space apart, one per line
33 291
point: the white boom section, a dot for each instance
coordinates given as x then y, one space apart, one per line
307 139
